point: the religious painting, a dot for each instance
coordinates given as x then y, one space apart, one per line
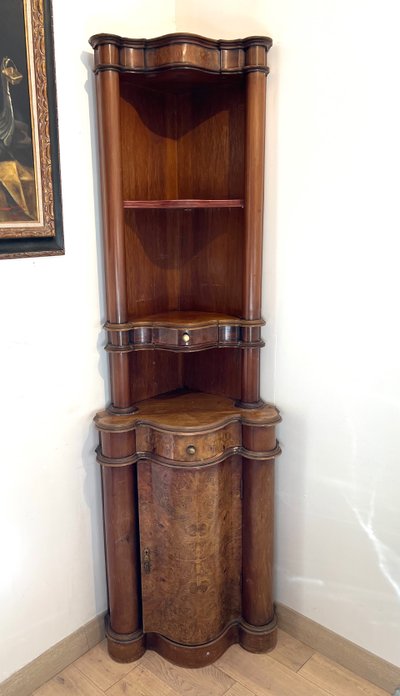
30 196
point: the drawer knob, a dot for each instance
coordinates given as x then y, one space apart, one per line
186 337
191 449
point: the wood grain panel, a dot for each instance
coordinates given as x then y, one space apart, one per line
184 260
210 131
211 272
217 371
154 372
148 141
190 524
153 258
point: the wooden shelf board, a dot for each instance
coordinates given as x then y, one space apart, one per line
187 203
184 319
187 411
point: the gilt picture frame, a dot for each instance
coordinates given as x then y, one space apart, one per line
30 189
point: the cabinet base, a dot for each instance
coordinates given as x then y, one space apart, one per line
128 648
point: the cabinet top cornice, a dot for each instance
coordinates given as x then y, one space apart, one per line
180 51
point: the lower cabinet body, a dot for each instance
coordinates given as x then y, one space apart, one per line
189 549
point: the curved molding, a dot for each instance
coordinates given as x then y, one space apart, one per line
195 464
187 413
252 638
180 52
184 332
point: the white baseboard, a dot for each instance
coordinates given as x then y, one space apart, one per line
344 652
54 660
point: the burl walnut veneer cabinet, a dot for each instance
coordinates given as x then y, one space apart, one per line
187 446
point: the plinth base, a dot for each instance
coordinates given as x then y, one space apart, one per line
128 648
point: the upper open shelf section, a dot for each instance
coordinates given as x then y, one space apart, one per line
182 117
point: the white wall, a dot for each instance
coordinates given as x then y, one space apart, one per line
331 364
332 288
52 578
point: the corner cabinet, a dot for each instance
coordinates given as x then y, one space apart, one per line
187 446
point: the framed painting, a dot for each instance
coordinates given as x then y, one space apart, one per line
30 192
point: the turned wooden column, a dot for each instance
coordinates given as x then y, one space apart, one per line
253 229
258 475
122 546
119 482
108 106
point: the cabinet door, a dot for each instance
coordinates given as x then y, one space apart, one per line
191 542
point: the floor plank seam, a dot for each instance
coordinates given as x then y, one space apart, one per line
298 670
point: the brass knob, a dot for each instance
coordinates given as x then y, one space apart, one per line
191 449
186 337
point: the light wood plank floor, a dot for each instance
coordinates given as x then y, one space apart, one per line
292 669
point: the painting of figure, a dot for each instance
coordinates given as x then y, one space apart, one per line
30 187
18 181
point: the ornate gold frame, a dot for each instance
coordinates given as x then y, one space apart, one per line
43 236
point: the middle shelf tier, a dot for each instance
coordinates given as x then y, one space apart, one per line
186 428
184 331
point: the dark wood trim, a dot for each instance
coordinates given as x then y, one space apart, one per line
118 462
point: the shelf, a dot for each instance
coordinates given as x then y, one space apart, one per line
189 203
187 411
186 319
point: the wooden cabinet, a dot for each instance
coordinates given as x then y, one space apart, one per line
187 445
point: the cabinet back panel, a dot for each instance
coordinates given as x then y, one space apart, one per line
153 252
148 143
216 371
211 275
183 144
190 533
211 142
154 372
184 260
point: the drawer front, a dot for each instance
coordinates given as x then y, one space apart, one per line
188 448
185 338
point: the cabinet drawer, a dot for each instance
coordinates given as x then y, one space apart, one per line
185 338
188 447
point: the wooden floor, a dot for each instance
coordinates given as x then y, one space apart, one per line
292 669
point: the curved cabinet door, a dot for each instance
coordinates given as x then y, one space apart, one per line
191 549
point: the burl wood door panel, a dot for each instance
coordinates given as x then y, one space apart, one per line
190 536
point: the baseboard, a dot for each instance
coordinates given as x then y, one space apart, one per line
54 660
344 652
